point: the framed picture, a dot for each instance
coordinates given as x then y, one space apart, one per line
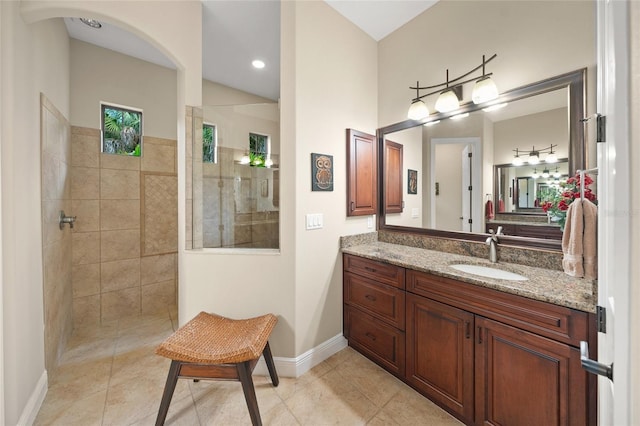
321 172
412 181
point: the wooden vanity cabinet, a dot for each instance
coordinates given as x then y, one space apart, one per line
488 357
374 311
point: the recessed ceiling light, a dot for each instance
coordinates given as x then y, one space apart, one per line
91 22
257 63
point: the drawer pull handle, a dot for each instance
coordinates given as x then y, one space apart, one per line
370 336
370 297
352 206
468 329
369 269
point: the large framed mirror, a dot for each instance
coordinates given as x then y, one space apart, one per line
466 162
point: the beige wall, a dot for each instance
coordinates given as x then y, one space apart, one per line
34 60
102 75
539 130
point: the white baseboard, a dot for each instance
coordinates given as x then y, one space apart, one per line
35 402
296 367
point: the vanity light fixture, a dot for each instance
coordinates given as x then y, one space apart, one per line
533 157
93 23
556 174
418 109
447 101
450 92
545 173
535 174
517 160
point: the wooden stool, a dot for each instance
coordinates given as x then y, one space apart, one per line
214 347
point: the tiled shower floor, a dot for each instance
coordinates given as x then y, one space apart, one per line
110 375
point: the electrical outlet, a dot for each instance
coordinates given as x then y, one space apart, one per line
370 222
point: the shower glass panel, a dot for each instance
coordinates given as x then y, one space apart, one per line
240 200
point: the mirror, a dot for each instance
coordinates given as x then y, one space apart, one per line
463 163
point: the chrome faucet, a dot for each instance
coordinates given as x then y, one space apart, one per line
65 219
492 242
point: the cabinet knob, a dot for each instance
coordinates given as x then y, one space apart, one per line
370 336
370 297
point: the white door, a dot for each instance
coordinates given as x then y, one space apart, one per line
613 214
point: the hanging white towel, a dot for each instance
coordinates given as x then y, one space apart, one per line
590 240
572 241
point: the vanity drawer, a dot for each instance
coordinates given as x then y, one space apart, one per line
382 272
556 322
377 340
379 300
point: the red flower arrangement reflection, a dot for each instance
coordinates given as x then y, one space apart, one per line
556 201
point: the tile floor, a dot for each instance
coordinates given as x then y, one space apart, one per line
109 375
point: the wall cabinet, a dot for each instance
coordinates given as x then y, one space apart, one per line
488 357
362 175
393 172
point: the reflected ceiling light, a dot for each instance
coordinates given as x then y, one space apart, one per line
450 92
459 116
257 63
431 123
545 173
268 162
556 174
535 174
495 107
91 22
245 159
418 109
485 89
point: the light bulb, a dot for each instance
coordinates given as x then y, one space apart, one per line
447 101
533 158
484 90
517 161
535 174
418 110
551 158
556 174
545 173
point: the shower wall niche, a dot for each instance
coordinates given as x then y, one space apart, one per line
239 180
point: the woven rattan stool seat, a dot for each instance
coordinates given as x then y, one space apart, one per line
212 339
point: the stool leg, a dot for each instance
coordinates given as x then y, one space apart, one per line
270 365
244 373
169 387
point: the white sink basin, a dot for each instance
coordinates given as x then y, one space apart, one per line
488 272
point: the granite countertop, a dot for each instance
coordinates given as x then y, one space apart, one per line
543 284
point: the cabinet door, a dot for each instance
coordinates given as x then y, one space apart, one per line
393 174
526 379
440 354
362 187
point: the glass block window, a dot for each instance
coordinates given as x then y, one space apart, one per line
121 130
209 144
259 150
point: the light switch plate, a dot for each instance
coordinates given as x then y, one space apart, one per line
314 220
415 212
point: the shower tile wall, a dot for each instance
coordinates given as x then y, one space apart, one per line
113 276
56 243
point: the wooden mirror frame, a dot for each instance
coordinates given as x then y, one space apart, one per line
573 81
